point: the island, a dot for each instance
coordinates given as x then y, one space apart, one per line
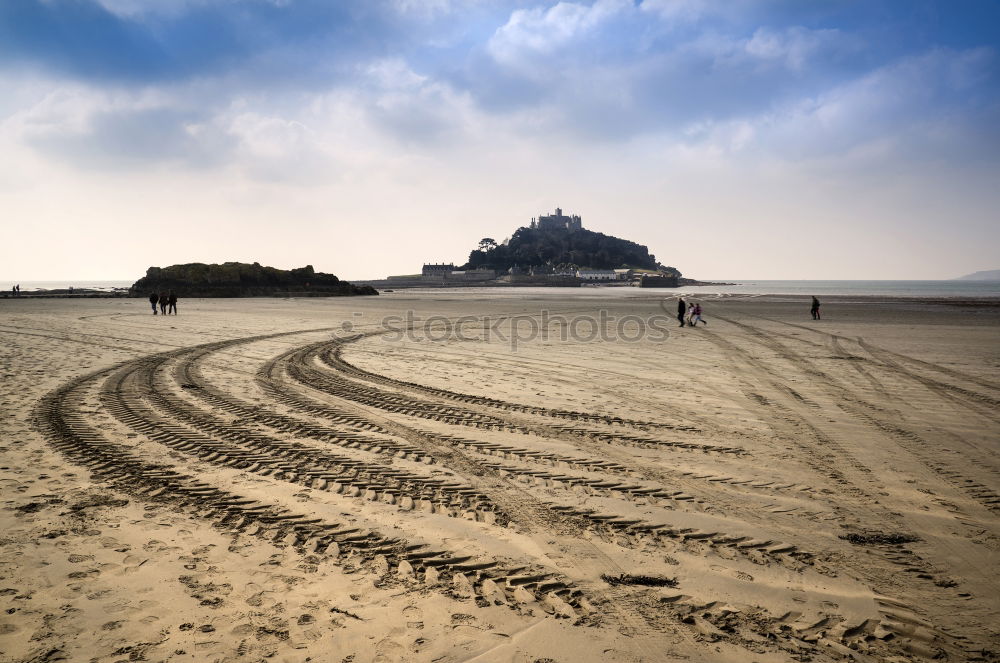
552 250
237 279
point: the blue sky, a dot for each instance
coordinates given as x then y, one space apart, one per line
746 139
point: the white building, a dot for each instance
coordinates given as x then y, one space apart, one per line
596 274
623 274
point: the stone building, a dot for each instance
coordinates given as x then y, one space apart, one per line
434 269
596 275
558 221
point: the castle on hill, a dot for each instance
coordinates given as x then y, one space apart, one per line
554 250
557 221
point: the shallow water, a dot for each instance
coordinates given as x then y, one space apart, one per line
936 289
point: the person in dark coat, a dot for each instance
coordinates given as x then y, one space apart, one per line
152 300
815 308
172 302
681 310
163 302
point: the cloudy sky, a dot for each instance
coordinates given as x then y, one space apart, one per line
740 139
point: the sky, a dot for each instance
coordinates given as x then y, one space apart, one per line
767 139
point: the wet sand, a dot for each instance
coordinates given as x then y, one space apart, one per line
287 480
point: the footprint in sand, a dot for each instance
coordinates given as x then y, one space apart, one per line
260 599
305 630
414 617
732 573
154 546
619 656
388 651
123 607
242 630
418 645
78 575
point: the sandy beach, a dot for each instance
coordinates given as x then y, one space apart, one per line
499 476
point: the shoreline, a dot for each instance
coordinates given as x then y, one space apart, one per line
636 294
951 289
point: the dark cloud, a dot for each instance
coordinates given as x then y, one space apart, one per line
79 38
257 40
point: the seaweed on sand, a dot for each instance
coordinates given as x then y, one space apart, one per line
646 581
879 538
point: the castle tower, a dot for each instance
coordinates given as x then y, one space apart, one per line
558 221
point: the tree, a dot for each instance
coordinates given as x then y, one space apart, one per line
487 244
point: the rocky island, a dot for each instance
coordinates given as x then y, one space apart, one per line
237 279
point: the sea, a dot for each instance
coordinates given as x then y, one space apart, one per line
751 287
36 286
952 288
757 287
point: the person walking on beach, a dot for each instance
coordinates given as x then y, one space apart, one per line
164 300
152 300
690 314
815 308
172 302
681 310
696 316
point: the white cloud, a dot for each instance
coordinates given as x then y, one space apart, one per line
793 48
427 9
393 73
912 109
680 11
541 31
280 143
894 100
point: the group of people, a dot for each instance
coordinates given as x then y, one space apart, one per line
689 314
16 290
167 302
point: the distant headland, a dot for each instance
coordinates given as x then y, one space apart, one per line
552 250
986 275
238 279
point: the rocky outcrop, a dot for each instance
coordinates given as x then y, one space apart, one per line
237 279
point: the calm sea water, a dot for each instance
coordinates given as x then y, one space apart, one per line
27 286
745 287
862 288
754 287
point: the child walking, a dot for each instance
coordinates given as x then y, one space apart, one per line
696 316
